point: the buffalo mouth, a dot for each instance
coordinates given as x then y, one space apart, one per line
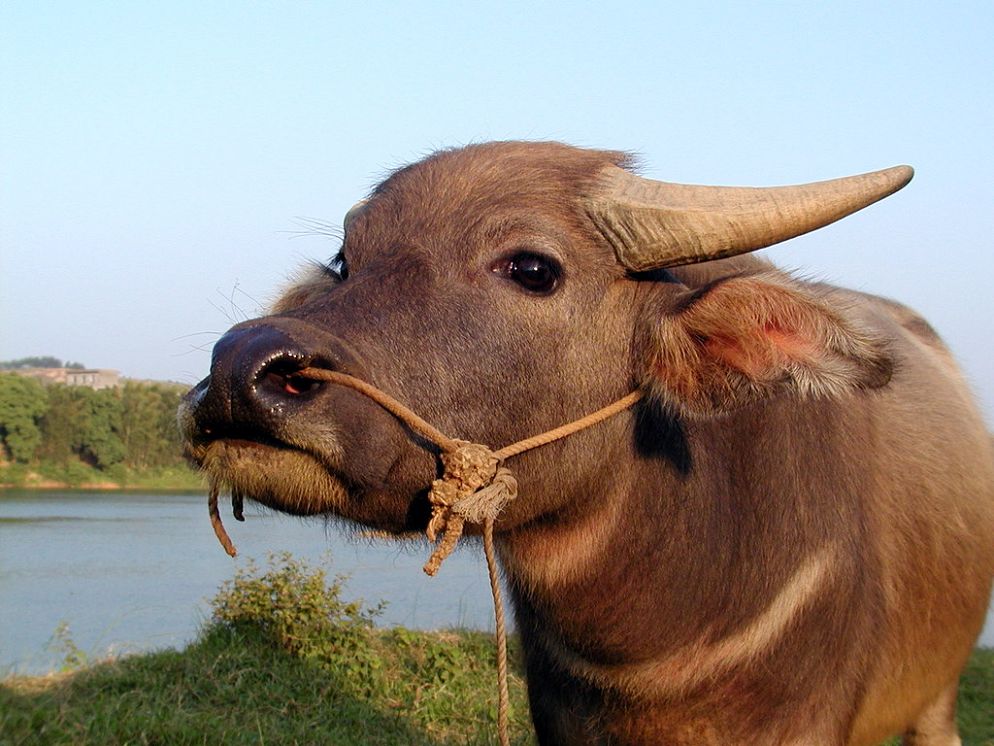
280 477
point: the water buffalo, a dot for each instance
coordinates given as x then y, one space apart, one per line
789 540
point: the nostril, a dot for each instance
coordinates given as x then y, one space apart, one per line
281 377
290 384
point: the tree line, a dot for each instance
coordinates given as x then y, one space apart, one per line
45 361
132 425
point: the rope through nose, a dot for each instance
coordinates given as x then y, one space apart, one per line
403 413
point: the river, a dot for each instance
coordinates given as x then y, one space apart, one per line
129 572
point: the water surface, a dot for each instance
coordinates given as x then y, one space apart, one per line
131 572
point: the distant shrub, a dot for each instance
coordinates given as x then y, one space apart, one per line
73 473
14 475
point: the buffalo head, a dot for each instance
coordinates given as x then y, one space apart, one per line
503 289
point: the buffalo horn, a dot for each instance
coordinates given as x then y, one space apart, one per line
654 224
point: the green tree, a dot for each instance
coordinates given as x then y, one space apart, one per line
61 425
149 424
23 401
100 441
42 361
133 424
169 444
83 423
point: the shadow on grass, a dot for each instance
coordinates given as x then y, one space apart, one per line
217 691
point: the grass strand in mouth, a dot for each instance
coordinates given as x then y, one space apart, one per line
238 505
215 514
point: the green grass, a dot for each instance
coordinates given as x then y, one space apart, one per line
233 687
286 661
976 700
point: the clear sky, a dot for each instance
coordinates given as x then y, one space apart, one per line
159 161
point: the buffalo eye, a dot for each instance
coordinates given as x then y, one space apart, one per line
338 268
535 273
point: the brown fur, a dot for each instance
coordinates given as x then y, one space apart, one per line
791 542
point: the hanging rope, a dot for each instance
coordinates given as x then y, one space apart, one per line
473 488
503 696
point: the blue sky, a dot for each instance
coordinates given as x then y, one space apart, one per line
156 159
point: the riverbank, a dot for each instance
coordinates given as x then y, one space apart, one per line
284 659
77 475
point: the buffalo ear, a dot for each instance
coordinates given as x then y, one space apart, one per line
748 337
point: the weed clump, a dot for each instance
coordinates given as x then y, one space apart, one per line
295 608
441 683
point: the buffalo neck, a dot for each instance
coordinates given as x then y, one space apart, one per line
686 546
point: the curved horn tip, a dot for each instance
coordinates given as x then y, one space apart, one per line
902 174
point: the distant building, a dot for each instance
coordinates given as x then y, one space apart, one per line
94 378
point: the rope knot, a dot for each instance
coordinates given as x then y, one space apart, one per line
472 488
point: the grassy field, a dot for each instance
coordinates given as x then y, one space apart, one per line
323 674
233 687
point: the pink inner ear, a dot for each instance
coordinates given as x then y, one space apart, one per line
790 342
738 353
760 353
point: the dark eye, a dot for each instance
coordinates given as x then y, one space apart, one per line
338 267
534 272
